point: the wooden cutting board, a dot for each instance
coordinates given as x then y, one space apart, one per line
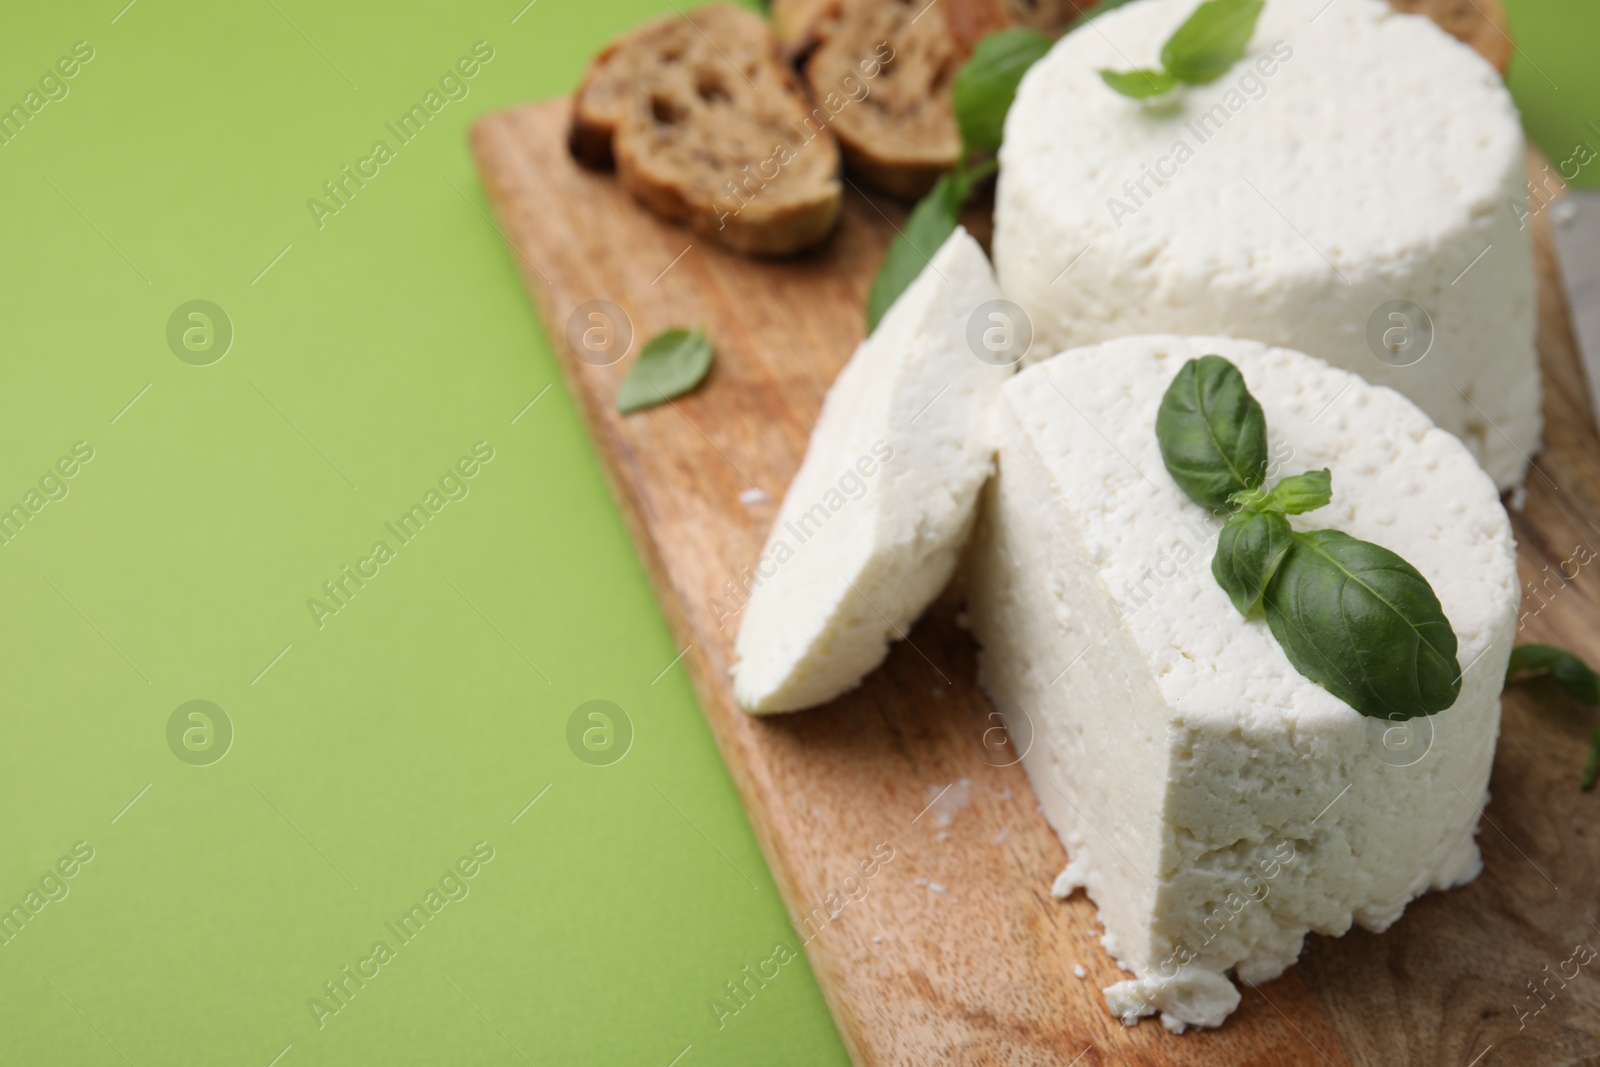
953 951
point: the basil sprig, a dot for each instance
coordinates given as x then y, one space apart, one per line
1571 674
1563 667
670 364
1351 616
930 224
1201 50
982 94
987 83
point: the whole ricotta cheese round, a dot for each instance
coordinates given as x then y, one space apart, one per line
1348 190
1217 804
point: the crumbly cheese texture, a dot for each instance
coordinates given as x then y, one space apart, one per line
1343 164
1216 804
872 525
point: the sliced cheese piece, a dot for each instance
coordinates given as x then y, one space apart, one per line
1216 804
1354 165
872 524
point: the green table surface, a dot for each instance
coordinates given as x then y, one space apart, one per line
208 884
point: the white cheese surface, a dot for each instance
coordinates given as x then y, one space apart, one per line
872 525
1216 804
1354 157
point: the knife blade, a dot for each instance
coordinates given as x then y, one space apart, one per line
1575 225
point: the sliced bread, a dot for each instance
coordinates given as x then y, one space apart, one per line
707 126
901 134
968 21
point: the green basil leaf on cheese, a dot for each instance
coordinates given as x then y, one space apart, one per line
1565 669
1213 434
669 365
1301 493
1249 549
987 83
1294 495
1211 40
1139 84
930 224
1363 623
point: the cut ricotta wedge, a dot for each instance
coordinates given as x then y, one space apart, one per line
1356 160
872 524
1215 803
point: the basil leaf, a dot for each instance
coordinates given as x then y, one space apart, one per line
1564 668
1591 770
1292 496
1301 493
1210 40
930 224
1249 550
669 365
987 84
1213 434
1139 84
1362 623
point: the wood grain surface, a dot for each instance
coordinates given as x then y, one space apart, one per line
956 953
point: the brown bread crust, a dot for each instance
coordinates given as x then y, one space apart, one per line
707 126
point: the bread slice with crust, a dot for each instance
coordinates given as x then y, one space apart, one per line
901 134
968 21
707 126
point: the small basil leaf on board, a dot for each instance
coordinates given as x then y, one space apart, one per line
1362 623
669 365
1249 549
1564 668
1213 434
1140 84
1211 40
987 83
1295 495
929 226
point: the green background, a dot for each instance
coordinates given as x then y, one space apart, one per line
371 753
